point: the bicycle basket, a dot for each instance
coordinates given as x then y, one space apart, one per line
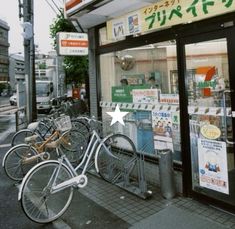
63 123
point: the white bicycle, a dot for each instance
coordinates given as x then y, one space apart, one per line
47 189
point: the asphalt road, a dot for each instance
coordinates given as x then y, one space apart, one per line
4 100
82 213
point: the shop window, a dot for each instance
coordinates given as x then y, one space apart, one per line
144 80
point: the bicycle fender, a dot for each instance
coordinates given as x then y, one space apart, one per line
26 129
97 150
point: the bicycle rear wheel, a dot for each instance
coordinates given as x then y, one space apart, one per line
82 127
15 161
37 201
113 155
19 137
45 128
74 145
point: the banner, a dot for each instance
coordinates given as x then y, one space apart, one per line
166 13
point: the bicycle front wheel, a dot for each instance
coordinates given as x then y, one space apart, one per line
37 201
113 156
17 161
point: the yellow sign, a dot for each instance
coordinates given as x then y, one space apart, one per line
210 131
167 13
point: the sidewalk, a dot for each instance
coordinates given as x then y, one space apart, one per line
102 205
178 213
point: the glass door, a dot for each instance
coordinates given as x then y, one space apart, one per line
209 106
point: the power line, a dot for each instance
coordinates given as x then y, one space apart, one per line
51 7
57 7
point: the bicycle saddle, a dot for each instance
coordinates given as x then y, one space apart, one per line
32 126
30 139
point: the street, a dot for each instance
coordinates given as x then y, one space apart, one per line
7 117
4 100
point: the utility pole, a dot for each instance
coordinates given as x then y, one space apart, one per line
29 57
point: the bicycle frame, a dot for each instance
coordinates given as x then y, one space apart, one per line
40 148
79 180
50 128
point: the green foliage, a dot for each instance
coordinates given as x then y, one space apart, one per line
42 66
4 86
76 67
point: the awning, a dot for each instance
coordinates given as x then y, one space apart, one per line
90 13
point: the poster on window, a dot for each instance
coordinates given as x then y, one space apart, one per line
118 28
162 129
213 172
133 22
175 116
145 96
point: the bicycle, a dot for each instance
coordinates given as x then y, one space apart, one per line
20 158
44 128
41 128
47 189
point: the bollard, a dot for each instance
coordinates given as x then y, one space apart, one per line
166 174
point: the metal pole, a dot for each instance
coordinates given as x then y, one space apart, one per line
26 18
32 66
29 64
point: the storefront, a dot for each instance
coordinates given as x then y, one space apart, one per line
176 59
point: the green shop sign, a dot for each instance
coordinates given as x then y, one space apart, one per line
124 93
207 84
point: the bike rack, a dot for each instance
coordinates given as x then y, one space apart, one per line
139 188
133 184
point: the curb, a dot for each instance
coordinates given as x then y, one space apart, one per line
4 105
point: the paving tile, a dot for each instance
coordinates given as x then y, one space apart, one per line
131 221
229 224
133 209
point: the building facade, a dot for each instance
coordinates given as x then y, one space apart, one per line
16 70
185 48
4 45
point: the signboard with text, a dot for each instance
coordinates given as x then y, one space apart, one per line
124 93
166 13
145 96
72 44
169 98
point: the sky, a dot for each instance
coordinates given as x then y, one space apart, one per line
43 18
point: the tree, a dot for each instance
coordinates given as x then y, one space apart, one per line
42 65
76 67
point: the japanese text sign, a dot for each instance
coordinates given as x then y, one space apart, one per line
72 44
167 13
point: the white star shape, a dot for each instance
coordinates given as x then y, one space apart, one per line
117 116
